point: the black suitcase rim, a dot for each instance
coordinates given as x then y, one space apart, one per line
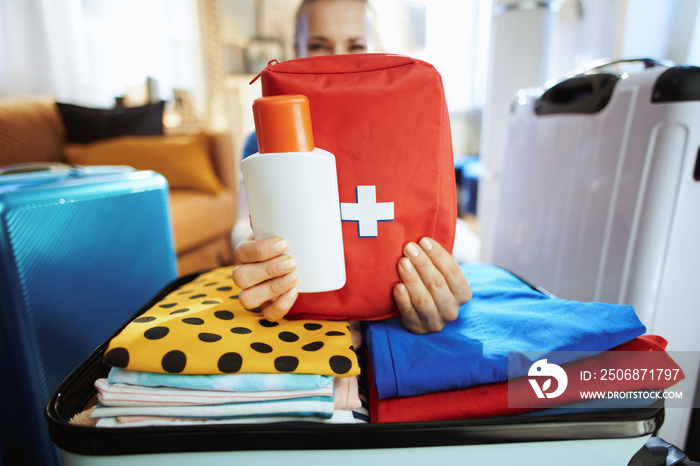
77 389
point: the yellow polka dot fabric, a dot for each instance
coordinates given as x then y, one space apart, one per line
201 328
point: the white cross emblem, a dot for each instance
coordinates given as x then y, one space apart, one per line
367 212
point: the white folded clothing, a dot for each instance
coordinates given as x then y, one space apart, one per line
321 406
358 416
124 395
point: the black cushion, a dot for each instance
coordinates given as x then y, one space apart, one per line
85 124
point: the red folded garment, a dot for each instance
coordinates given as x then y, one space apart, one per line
491 400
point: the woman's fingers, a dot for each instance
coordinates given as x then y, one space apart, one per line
431 291
261 261
257 295
419 312
248 275
278 308
432 287
410 318
250 250
449 269
266 276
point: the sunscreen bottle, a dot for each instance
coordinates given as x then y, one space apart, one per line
292 190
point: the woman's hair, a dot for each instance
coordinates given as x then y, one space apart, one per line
304 5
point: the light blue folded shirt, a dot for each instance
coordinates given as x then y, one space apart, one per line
226 382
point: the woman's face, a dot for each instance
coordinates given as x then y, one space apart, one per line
330 27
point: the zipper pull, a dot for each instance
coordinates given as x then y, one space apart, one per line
269 64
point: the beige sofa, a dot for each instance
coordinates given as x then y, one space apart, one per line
32 130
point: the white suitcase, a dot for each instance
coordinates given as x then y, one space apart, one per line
600 195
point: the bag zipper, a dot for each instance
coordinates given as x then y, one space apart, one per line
269 64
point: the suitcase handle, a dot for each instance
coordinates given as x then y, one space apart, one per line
608 62
29 167
588 93
18 176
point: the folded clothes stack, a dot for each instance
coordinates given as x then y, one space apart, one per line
465 371
198 356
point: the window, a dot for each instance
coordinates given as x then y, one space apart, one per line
452 36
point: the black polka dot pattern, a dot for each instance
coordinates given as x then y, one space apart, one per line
156 333
223 315
261 347
286 363
241 330
201 328
209 337
289 337
193 321
230 363
174 362
143 320
340 364
314 346
117 357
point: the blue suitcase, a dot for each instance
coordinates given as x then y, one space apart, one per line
80 249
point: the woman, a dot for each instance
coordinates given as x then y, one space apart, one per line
432 286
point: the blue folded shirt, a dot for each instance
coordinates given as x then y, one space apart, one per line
505 314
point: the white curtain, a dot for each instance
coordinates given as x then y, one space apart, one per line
90 51
41 48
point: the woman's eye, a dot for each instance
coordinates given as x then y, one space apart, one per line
357 48
316 47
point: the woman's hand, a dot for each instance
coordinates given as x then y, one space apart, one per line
266 276
432 287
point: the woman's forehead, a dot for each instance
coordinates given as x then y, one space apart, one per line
337 19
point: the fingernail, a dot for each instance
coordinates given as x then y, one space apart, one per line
292 294
280 245
426 244
401 288
412 249
406 265
288 279
288 264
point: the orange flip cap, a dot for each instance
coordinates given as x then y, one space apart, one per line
283 124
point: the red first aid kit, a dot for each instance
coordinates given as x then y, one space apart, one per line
385 119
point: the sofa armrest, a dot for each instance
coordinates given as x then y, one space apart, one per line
224 160
31 130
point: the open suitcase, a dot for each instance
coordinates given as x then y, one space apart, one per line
63 287
610 437
599 194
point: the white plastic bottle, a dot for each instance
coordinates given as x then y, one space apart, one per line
292 190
